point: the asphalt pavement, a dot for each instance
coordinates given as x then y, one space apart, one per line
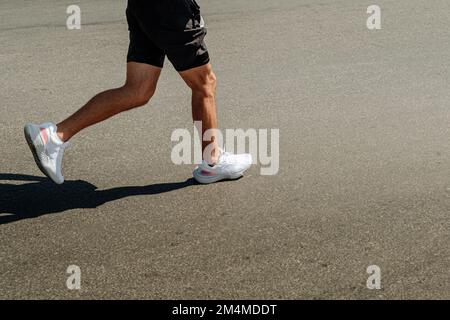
364 173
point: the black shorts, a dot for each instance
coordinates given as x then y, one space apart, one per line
172 28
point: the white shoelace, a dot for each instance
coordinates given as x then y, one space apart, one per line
54 149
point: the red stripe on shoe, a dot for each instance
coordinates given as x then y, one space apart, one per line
206 173
44 135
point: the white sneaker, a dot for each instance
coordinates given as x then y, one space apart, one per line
47 149
228 167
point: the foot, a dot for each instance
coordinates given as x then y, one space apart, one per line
228 167
47 149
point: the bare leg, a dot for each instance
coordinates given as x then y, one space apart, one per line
137 91
202 81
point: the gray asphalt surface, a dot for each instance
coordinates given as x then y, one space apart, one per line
364 177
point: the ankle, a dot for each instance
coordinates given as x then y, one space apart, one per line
62 134
213 158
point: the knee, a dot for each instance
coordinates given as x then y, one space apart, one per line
138 96
205 86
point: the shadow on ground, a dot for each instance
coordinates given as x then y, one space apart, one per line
38 196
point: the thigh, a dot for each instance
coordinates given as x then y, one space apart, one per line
142 48
142 76
181 34
197 78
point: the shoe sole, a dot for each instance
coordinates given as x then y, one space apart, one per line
212 179
28 132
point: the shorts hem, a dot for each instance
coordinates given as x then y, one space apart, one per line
200 63
145 61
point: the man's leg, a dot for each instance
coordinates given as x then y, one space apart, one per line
217 165
46 141
202 82
139 87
